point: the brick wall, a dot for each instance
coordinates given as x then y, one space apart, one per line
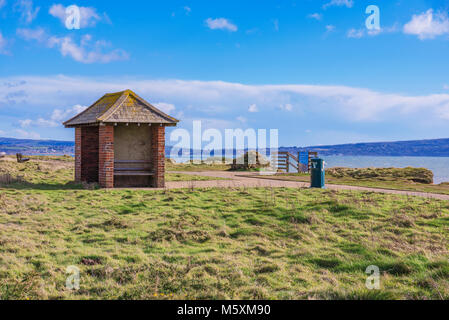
106 156
78 154
158 155
88 153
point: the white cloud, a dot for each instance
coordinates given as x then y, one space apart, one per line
89 15
339 3
87 51
316 16
27 134
57 117
187 10
195 98
221 24
360 33
428 25
241 119
27 12
446 86
37 34
355 33
286 107
253 108
3 44
165 107
330 28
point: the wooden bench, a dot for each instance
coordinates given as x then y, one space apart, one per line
21 159
141 170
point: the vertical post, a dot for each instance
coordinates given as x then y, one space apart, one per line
158 155
299 162
287 159
106 156
78 154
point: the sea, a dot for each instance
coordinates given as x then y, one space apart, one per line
438 165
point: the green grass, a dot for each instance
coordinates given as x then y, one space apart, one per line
249 243
188 177
57 172
196 167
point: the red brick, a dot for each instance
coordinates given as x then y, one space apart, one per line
106 156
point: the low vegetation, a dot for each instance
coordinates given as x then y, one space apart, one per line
239 243
197 167
57 172
408 179
418 175
221 244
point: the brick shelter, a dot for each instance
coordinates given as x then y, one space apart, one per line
120 142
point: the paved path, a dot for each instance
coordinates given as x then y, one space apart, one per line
248 179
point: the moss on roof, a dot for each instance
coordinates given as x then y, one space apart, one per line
121 107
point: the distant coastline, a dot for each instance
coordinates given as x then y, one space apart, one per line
413 148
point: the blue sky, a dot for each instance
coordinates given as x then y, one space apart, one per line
309 68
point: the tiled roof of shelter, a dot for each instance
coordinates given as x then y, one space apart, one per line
121 107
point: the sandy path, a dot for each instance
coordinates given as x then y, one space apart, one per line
246 179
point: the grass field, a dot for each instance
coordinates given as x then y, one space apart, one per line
57 172
257 243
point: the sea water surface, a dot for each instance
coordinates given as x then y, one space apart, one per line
438 165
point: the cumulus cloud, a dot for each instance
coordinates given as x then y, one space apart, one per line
360 33
253 108
339 3
165 107
355 33
195 98
316 16
86 51
221 24
241 119
286 107
89 15
37 34
27 11
57 117
428 25
27 134
330 28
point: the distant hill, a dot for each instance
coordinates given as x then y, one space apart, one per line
422 148
33 147
415 148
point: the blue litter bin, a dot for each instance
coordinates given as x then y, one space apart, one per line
317 174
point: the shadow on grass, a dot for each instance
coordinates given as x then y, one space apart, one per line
45 186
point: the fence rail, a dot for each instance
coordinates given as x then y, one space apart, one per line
284 161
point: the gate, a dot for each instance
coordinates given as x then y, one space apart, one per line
301 162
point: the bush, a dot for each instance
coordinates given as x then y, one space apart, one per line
419 175
250 160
